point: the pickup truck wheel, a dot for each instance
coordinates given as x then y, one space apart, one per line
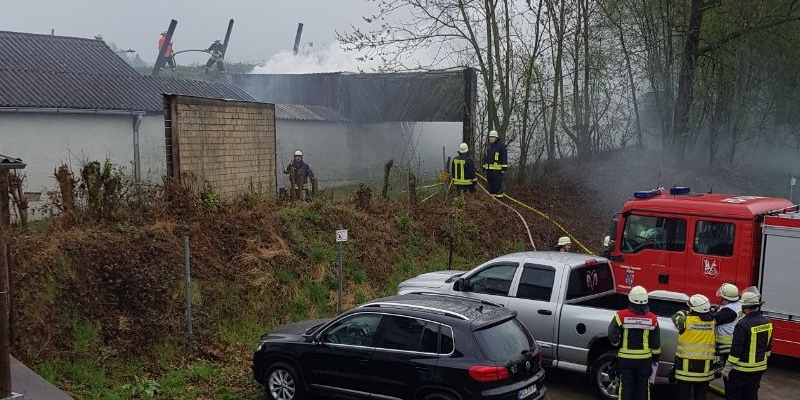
605 381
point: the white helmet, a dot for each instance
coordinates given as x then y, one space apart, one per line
563 241
699 304
463 148
638 295
217 40
751 299
493 133
298 153
728 291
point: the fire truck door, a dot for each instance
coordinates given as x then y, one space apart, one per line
710 260
648 243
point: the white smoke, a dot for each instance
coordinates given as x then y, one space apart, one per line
310 60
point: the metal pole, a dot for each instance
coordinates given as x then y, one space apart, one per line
339 273
791 188
160 59
452 237
297 37
187 276
5 346
550 231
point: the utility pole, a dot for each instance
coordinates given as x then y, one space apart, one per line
6 165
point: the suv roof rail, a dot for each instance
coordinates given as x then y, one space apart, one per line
455 296
417 307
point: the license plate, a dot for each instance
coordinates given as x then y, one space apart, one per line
526 392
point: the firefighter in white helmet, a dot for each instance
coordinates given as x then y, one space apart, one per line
300 174
495 164
726 318
635 332
564 244
694 357
750 349
463 170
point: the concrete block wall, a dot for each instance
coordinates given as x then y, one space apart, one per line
227 144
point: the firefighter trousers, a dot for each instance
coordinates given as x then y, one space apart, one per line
633 377
742 385
494 179
692 390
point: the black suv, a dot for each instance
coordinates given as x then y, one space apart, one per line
410 347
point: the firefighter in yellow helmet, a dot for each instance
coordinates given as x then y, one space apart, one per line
729 313
750 350
635 332
694 357
463 170
564 244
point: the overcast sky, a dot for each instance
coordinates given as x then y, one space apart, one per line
262 28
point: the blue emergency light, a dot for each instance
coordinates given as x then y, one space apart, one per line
679 190
645 194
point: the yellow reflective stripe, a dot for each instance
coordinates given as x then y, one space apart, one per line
459 174
683 373
496 156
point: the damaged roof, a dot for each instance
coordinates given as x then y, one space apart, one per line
60 72
299 112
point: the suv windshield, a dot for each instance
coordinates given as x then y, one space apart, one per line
504 341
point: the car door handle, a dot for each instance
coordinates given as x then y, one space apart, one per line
362 361
423 369
545 312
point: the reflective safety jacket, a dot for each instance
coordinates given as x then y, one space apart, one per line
637 334
696 347
731 313
752 343
462 170
168 52
496 157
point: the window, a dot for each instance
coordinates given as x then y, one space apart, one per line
505 341
355 330
589 280
495 279
536 282
446 334
714 238
648 232
402 333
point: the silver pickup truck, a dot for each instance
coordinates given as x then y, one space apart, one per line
567 300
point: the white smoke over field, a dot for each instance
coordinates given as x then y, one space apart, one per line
311 60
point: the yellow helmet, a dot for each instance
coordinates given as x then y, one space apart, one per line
563 241
728 291
638 295
463 148
699 303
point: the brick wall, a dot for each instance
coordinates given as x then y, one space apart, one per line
227 144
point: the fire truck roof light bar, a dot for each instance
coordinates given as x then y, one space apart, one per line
679 190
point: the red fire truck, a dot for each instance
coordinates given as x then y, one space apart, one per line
693 243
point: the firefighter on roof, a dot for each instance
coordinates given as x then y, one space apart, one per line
495 164
750 349
299 175
635 332
167 53
694 357
216 50
463 171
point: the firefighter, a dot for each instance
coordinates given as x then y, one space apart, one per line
636 333
726 318
750 349
463 170
216 50
564 245
167 53
299 175
495 164
694 357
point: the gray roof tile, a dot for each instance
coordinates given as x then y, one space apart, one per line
45 71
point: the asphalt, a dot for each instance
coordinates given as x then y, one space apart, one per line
32 386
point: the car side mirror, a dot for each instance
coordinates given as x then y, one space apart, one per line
458 285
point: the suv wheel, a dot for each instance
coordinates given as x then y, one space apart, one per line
438 396
605 380
283 383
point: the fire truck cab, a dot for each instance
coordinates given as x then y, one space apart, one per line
694 242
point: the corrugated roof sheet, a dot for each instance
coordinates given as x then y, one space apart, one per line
298 112
9 161
44 71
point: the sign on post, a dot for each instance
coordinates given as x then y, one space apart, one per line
341 237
